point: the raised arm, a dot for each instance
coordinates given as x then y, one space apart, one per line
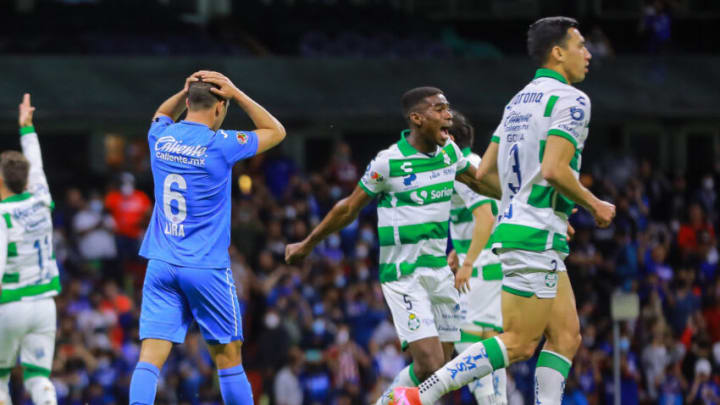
174 106
269 130
341 215
556 170
37 183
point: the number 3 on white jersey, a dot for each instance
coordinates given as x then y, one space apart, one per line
169 196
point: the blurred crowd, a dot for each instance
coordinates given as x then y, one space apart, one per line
321 333
342 28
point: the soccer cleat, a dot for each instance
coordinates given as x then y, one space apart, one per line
405 396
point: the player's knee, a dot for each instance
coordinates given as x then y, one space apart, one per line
227 355
527 350
571 342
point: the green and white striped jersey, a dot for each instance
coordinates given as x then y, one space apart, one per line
27 263
533 215
463 202
413 191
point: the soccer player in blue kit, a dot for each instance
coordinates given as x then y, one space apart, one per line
188 274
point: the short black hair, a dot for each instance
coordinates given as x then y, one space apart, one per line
462 130
200 97
413 97
14 168
546 33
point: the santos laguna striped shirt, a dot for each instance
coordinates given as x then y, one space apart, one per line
27 260
413 191
533 215
462 223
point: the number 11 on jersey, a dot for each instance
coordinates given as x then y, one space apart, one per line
175 225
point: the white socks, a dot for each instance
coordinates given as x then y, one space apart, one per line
41 390
550 374
405 378
488 390
475 362
500 383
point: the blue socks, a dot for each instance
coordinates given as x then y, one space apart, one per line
234 386
143 384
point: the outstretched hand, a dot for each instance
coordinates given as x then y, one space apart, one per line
25 111
295 253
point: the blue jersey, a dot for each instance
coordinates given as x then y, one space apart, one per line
192 167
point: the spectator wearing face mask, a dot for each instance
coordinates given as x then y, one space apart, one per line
704 390
93 228
346 360
130 208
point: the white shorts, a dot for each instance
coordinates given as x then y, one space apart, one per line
28 328
424 304
527 273
481 307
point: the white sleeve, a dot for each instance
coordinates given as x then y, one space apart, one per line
37 183
3 248
462 163
569 117
470 198
376 177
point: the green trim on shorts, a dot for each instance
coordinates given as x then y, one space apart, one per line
466 337
555 362
488 326
30 371
413 377
519 293
5 371
494 353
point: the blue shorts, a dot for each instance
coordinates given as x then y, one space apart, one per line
174 295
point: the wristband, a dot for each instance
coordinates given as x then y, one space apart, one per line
29 129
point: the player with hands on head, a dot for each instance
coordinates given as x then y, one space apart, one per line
29 277
188 274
